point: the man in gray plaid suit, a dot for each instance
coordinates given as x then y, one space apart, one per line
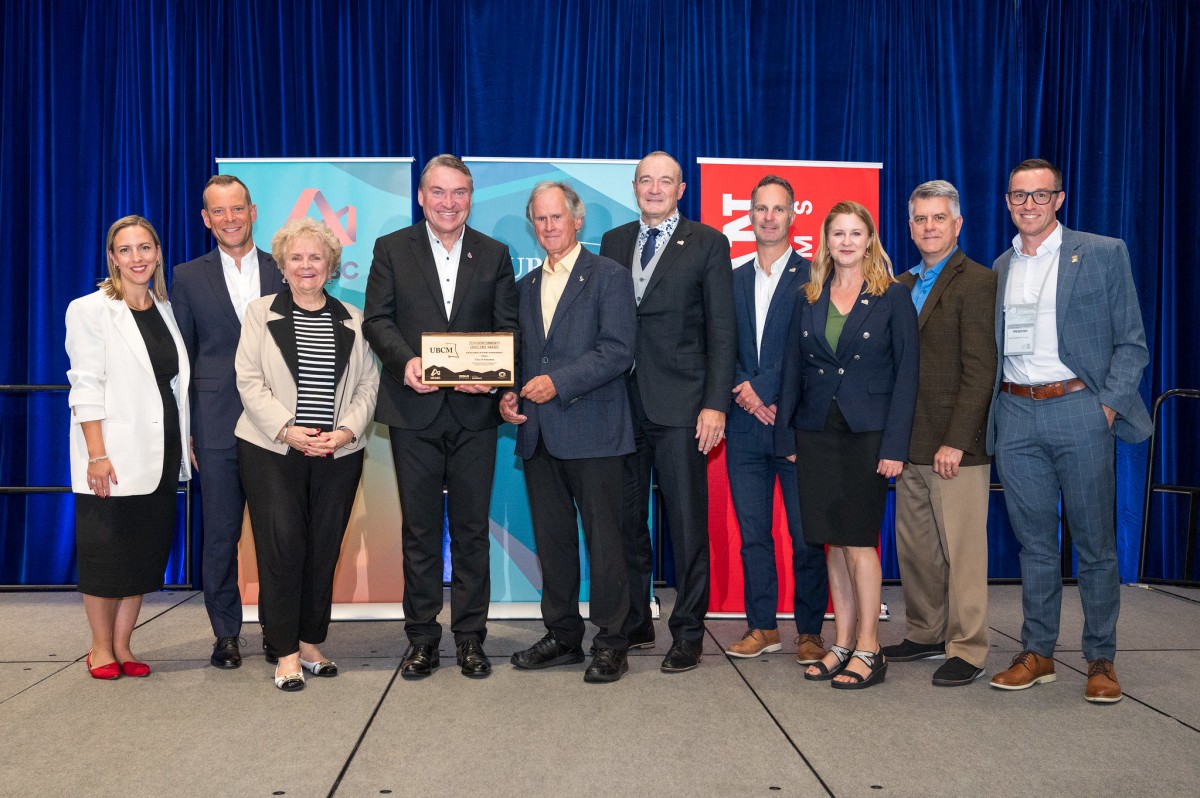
1073 349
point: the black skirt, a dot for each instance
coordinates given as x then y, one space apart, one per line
842 498
122 542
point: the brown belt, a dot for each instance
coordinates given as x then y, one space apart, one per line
1047 390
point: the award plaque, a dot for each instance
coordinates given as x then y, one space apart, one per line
449 359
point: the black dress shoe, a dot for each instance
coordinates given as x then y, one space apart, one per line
956 672
419 661
907 651
607 666
225 653
472 660
642 637
546 653
684 655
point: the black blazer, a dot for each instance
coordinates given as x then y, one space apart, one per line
211 329
404 300
873 372
686 331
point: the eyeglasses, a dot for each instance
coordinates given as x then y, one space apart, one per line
1040 197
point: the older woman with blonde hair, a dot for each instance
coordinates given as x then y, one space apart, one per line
129 429
849 390
308 384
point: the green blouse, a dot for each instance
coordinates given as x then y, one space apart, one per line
834 323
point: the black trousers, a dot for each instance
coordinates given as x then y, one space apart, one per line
683 481
463 461
556 489
222 504
299 507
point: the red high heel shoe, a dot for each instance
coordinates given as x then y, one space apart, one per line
110 671
135 668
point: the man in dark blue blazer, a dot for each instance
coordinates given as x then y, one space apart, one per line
679 388
1070 331
209 296
764 295
575 431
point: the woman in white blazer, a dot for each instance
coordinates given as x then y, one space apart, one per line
129 430
308 384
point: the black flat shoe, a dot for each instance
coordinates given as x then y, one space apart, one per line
684 655
420 660
878 670
608 665
956 672
325 667
548 652
472 661
225 653
843 658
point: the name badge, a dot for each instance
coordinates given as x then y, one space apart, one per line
1019 321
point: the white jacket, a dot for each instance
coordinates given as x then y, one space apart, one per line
113 382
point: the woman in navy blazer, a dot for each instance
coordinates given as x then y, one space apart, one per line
849 389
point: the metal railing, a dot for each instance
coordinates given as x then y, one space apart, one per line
1152 488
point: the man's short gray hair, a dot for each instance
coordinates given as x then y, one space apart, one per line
932 190
575 205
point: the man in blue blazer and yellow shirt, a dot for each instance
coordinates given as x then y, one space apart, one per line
209 296
1073 348
575 431
764 295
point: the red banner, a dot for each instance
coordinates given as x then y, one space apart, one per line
725 187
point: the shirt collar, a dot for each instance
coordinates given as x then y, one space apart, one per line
920 271
1050 246
568 261
434 240
776 267
667 226
249 259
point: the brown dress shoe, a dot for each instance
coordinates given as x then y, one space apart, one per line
755 642
1027 669
809 649
1102 685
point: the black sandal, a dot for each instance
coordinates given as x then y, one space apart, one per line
878 670
843 658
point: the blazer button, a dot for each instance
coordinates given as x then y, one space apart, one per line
820 371
810 355
545 360
841 371
804 334
856 357
866 335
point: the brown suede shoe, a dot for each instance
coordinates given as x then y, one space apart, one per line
1102 685
755 642
809 649
1027 669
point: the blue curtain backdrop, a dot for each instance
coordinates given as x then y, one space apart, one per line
109 108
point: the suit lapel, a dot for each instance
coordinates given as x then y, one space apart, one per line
671 252
130 333
952 269
533 307
466 271
1070 263
790 270
423 256
283 330
575 283
215 273
747 288
857 316
270 281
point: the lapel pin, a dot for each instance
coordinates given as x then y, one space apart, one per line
581 278
680 243
469 256
792 269
865 302
1074 259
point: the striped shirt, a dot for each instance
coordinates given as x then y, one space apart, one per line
315 351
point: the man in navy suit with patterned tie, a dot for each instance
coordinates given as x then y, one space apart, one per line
1073 348
575 431
764 294
209 296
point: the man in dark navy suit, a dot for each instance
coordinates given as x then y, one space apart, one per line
440 276
679 388
764 295
577 328
209 296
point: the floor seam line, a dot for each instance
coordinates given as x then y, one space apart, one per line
337 782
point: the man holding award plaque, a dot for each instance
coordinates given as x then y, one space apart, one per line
439 278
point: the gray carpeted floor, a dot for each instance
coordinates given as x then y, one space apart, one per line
731 728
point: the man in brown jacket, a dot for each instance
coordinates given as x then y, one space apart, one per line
942 494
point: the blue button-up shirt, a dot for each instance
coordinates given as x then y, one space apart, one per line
926 277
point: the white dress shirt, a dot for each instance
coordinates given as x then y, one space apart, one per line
764 289
1033 280
446 261
243 283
